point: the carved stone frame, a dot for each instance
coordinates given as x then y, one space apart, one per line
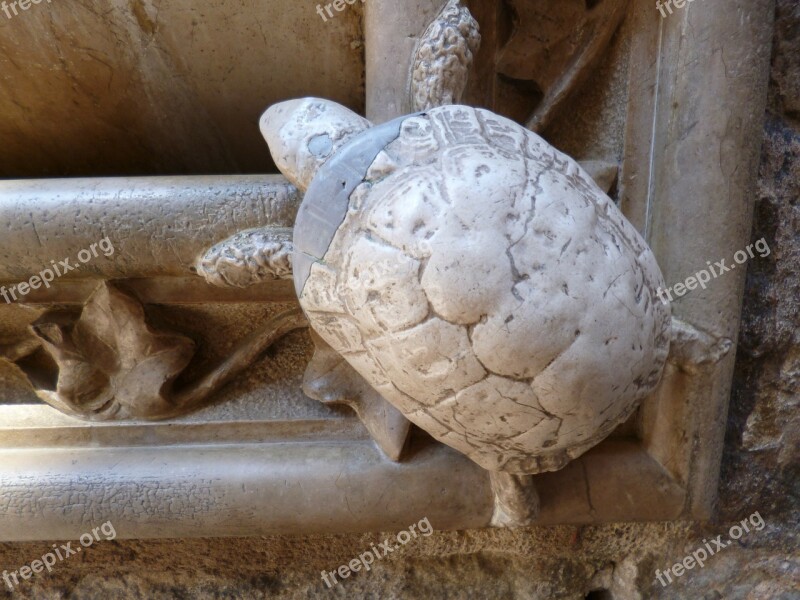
697 93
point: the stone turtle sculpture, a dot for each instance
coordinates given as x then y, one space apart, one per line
474 275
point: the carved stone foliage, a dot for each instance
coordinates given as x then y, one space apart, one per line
480 281
444 57
108 363
552 50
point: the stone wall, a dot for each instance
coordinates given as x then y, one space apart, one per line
143 87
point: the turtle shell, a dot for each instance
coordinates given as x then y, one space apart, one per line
484 285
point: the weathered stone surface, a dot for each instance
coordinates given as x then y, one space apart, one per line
143 87
761 466
540 563
158 226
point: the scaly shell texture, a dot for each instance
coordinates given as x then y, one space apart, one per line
485 285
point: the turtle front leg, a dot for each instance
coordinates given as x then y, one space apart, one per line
260 255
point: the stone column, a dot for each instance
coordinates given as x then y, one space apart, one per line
393 29
697 98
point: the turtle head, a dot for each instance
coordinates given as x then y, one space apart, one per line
302 134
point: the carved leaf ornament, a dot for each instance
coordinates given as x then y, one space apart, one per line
111 364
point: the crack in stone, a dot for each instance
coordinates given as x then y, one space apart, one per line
587 487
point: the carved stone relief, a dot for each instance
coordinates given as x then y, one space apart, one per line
554 48
457 274
107 363
477 278
443 58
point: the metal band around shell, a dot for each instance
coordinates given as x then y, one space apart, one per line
325 204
